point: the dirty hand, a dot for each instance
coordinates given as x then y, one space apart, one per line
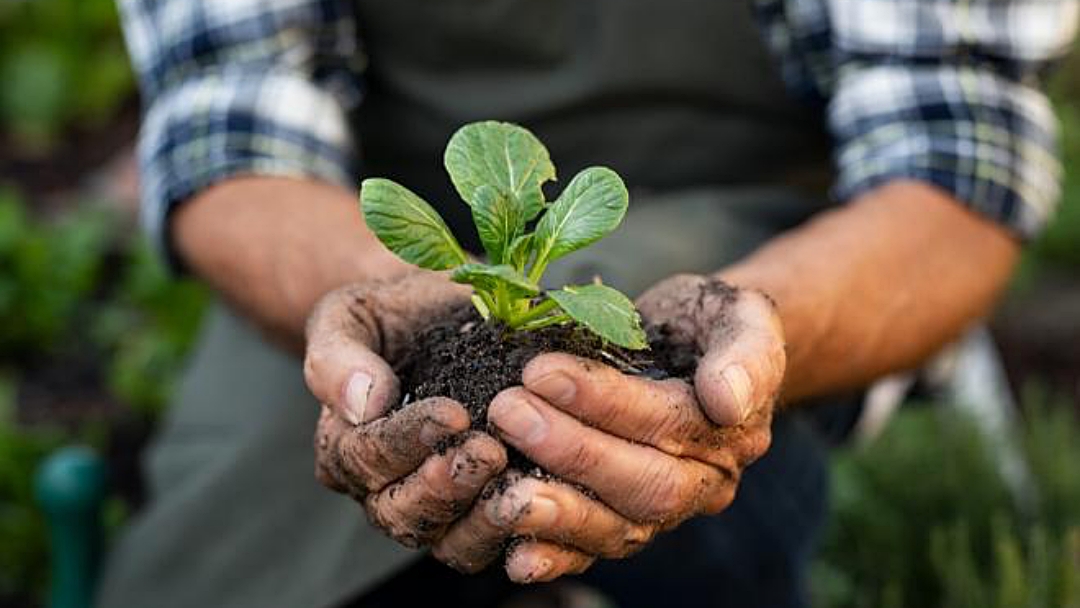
389 463
652 453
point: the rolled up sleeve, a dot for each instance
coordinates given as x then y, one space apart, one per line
949 92
240 87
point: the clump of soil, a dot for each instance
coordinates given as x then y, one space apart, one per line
469 360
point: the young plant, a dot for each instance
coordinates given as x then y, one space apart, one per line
499 170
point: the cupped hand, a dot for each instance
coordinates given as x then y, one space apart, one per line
633 456
391 462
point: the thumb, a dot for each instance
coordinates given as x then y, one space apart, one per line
341 366
743 366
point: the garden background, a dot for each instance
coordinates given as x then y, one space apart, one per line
93 332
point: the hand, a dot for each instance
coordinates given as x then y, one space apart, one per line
389 463
651 453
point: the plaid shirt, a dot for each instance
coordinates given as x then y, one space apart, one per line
945 91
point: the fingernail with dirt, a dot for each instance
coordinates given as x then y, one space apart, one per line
356 397
468 471
557 388
518 419
539 570
506 510
740 387
434 432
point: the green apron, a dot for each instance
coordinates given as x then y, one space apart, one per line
679 96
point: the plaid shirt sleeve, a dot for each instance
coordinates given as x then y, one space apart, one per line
944 91
240 87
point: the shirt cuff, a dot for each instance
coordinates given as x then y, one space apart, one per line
988 140
226 124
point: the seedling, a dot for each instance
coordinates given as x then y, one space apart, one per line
499 170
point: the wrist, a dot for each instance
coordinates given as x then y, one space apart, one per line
860 297
803 322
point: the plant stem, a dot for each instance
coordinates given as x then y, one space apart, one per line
488 301
537 270
520 307
535 313
502 301
545 322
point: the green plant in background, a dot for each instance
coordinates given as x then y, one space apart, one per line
46 273
1051 442
1028 568
77 291
78 287
149 327
909 478
499 170
922 519
46 47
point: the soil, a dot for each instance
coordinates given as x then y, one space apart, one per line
469 360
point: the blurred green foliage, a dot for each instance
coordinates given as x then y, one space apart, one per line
46 272
79 287
77 292
147 328
922 518
62 62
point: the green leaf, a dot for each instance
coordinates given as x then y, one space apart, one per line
37 85
504 156
605 311
408 226
518 254
591 206
498 221
490 278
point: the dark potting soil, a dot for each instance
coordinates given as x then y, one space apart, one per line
469 360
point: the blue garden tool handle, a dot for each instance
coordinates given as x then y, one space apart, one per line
70 487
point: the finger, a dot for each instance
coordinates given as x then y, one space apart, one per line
539 561
739 377
417 509
478 538
664 414
556 511
328 433
639 482
372 455
526 507
341 366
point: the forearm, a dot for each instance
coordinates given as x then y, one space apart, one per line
273 246
878 285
